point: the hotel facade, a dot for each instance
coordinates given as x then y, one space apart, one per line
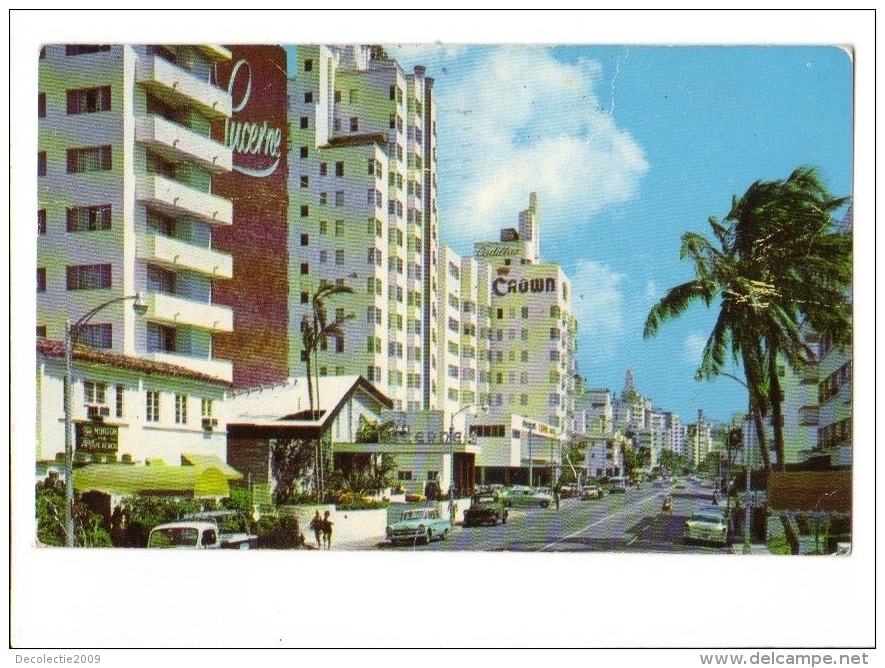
126 208
224 192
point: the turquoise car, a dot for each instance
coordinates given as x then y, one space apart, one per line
420 525
526 496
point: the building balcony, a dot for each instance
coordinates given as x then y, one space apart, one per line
809 416
177 142
179 87
177 254
216 368
810 374
173 310
179 199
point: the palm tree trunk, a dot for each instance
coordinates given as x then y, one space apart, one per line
776 408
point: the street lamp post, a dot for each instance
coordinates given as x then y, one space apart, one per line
72 332
452 459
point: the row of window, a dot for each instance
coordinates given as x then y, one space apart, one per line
87 159
839 433
97 393
80 218
81 101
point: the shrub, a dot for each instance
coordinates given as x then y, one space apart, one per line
350 502
143 513
279 533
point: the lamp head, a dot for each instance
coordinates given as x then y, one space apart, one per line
139 306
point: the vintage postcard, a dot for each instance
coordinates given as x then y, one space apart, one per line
404 299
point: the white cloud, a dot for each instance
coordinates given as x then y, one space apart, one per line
693 348
514 120
598 304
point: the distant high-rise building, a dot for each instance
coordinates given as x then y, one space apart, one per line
363 213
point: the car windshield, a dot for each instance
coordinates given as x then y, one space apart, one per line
707 516
173 537
415 515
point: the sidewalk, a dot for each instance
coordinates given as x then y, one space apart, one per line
755 548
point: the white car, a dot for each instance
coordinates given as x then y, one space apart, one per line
707 525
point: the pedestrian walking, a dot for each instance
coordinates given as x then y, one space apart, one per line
316 525
327 530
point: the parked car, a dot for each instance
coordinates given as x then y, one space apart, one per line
592 492
707 525
420 525
209 530
569 490
487 508
616 485
526 496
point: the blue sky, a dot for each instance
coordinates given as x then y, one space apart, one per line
628 147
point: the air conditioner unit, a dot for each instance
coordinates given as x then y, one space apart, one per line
96 411
209 423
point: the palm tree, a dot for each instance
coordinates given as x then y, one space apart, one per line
780 267
316 330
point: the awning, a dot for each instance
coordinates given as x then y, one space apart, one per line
205 476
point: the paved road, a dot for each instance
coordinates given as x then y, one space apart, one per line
629 522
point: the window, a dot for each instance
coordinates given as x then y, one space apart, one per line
324 227
354 124
305 297
93 392
89 277
324 169
96 335
206 407
305 240
339 344
339 228
525 311
180 409
152 406
339 198
85 49
305 210
303 153
160 339
373 344
302 122
85 218
339 256
89 100
41 221
305 268
339 169
89 159
324 256
41 163
308 97
41 105
41 279
324 198
160 223
119 400
308 65
161 280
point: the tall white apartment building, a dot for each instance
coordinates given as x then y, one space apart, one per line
462 332
532 331
125 199
362 213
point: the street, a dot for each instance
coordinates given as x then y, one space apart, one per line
628 522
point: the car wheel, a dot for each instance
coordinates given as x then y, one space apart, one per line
444 534
544 504
428 537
